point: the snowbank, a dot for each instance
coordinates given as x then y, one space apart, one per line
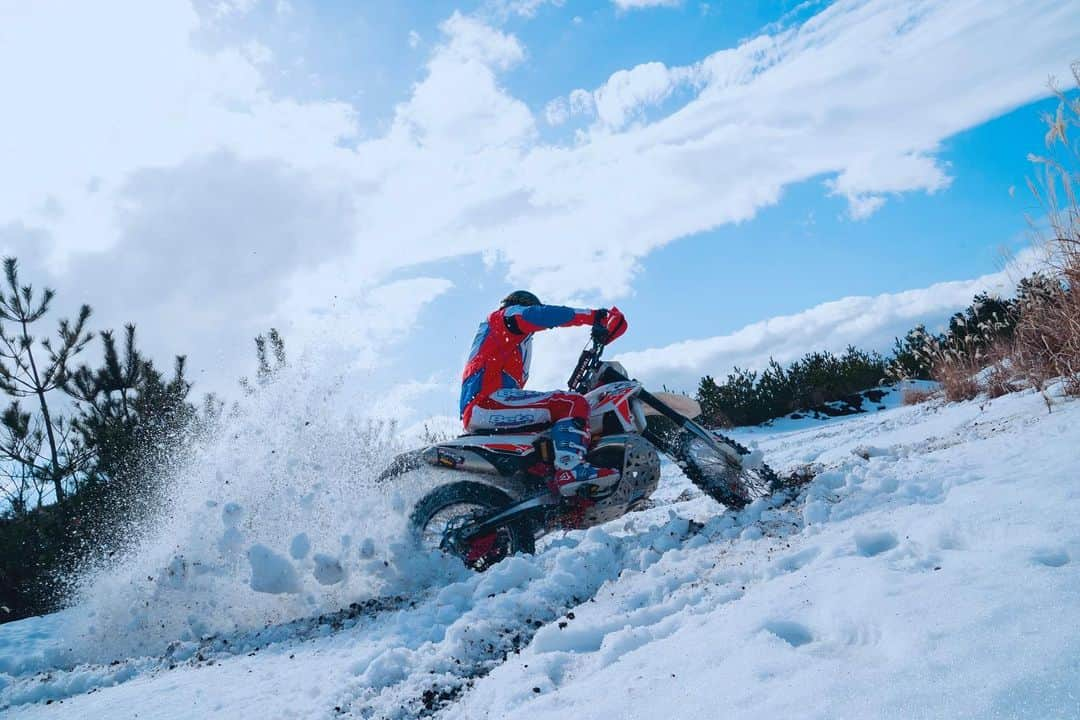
930 570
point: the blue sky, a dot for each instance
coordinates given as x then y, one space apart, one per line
744 179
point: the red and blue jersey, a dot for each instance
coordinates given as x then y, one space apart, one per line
501 350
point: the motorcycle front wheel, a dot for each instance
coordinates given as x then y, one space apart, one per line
720 475
451 507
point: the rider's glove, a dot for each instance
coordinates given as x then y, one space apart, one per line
599 326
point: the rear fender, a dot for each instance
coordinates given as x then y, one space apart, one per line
489 460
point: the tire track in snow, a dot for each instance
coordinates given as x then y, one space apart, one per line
483 621
656 586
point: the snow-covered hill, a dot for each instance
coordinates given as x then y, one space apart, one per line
929 571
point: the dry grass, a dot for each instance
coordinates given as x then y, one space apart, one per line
1000 376
957 378
1048 335
955 363
999 382
1047 344
914 396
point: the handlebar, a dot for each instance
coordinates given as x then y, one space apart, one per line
587 365
589 360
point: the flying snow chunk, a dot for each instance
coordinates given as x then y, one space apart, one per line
270 572
300 547
869 451
175 574
328 570
367 548
231 541
754 460
231 514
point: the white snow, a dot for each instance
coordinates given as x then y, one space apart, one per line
270 572
328 569
929 571
300 546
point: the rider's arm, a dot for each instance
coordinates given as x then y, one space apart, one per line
522 320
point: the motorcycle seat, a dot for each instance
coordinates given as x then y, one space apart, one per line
523 430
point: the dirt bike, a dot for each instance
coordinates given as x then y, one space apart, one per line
507 503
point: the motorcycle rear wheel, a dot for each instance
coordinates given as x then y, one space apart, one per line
453 505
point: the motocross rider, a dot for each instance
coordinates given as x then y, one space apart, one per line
492 386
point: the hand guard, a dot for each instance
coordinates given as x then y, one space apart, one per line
615 324
608 325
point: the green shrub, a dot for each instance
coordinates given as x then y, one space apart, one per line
747 398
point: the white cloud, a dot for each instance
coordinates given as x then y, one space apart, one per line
414 39
181 194
557 112
400 401
577 103
862 206
99 116
625 5
470 40
226 8
359 327
257 53
459 105
867 322
865 179
581 102
628 92
502 9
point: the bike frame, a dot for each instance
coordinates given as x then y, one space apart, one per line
584 376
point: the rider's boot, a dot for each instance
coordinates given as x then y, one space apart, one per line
585 480
574 476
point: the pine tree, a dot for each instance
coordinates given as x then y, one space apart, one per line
131 416
983 322
32 369
21 445
912 357
265 373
